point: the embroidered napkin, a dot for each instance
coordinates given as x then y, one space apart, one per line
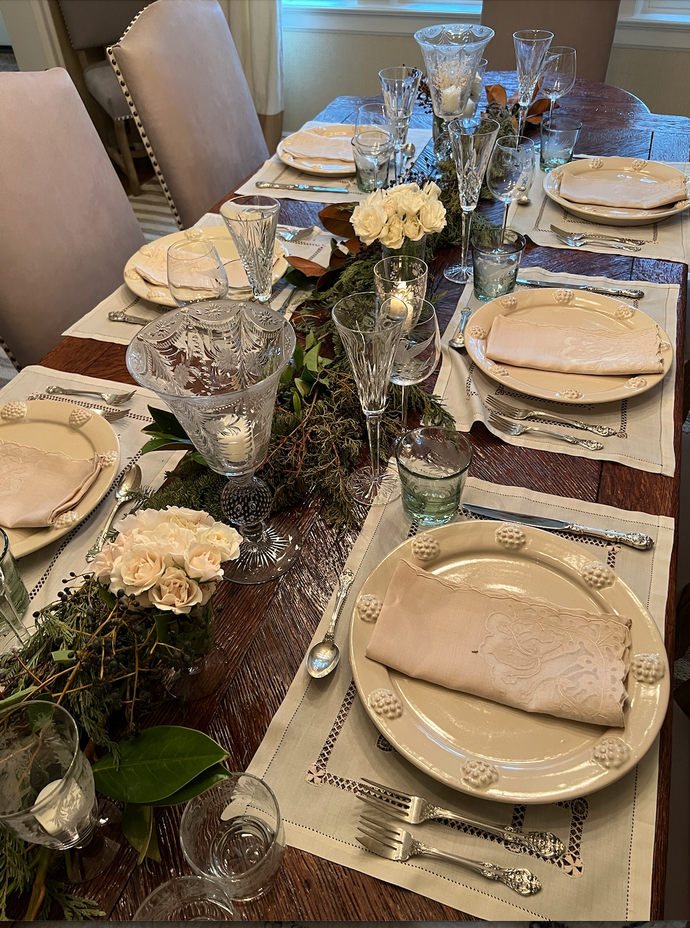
37 487
573 349
636 192
153 266
524 653
306 144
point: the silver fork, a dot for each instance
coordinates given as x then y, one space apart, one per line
395 843
521 412
515 428
621 239
416 809
110 415
112 399
579 242
294 234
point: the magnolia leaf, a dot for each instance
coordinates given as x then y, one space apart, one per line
198 785
166 444
297 278
495 93
155 764
167 423
328 280
308 268
137 827
336 219
353 245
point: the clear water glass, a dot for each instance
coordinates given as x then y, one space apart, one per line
559 135
252 222
417 352
496 262
531 46
399 87
511 170
234 833
433 464
14 597
370 329
195 273
472 141
372 150
187 899
558 74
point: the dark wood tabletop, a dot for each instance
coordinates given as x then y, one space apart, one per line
252 619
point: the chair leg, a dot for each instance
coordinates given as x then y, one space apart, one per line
130 170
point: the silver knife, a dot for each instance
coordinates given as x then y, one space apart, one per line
633 539
263 184
607 291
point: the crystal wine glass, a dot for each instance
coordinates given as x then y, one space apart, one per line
195 273
218 371
472 141
370 329
511 171
252 222
558 74
417 353
531 46
47 793
399 87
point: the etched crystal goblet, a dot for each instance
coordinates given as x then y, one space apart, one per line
218 369
399 86
252 222
531 46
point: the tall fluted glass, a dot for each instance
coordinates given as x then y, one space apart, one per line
531 46
510 172
399 86
218 368
252 223
472 141
370 329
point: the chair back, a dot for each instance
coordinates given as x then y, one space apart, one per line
92 24
181 73
66 225
586 25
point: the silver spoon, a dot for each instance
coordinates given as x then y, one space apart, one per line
121 316
408 150
323 657
458 340
130 480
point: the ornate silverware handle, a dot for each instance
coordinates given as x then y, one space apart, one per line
520 880
577 423
611 291
544 843
97 546
615 238
346 580
633 539
585 442
64 391
616 244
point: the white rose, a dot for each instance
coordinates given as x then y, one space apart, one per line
390 206
103 563
368 221
221 536
202 562
431 191
137 569
187 518
413 229
144 520
175 592
409 204
393 235
432 216
173 538
403 190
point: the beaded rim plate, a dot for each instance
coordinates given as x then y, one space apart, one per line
617 167
227 252
494 751
47 426
564 307
310 166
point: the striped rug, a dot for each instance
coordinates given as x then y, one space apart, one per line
152 211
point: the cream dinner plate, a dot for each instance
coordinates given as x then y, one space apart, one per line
530 758
312 166
564 307
47 426
617 168
227 252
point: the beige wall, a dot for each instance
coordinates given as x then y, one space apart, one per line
320 66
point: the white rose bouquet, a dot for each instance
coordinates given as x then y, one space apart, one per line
405 211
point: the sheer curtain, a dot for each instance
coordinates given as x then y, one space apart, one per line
257 29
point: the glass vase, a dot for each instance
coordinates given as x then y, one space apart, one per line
411 249
187 646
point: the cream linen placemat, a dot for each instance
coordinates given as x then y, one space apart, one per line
668 239
98 326
274 171
44 570
321 743
643 424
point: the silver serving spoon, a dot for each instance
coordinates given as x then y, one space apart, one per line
458 340
130 480
323 657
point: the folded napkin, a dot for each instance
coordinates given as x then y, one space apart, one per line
637 192
37 487
307 144
573 349
154 268
525 653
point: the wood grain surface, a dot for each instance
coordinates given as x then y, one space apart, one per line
264 630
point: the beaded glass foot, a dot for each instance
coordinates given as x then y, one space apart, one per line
369 491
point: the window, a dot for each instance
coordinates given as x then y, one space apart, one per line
388 17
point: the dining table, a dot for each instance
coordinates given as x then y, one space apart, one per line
265 629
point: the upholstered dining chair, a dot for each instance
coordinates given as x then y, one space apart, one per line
90 27
66 225
586 25
180 71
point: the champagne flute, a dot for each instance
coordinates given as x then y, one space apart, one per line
531 46
417 354
558 76
399 86
511 171
195 273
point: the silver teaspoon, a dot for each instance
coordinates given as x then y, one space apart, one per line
130 480
323 657
458 340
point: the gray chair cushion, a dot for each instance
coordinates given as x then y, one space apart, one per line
105 87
